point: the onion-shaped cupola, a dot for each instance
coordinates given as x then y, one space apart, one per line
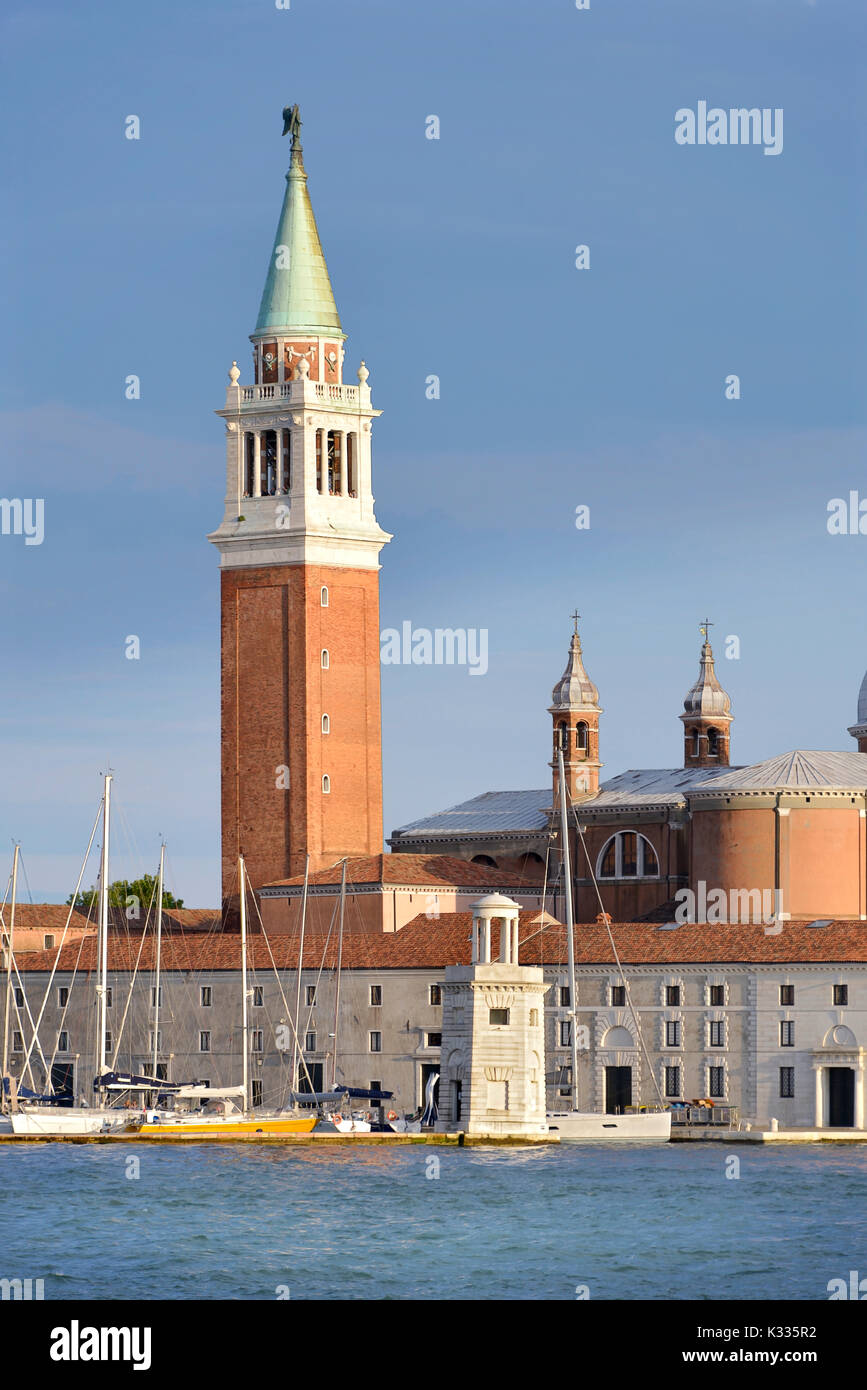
707 715
575 713
858 730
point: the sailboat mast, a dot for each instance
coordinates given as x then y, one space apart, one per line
337 981
570 932
296 1056
10 939
244 1022
102 980
159 952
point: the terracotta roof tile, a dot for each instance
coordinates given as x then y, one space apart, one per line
416 870
433 944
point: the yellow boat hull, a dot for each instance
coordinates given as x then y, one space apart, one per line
226 1128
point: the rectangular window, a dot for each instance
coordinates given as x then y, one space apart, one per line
256 1096
717 996
159 1041
672 1033
19 997
63 1041
564 1081
17 1041
258 1040
375 995
206 996
672 1081
618 996
433 1039
48 942
564 997
436 995
154 995
310 996
787 1082
375 1086
205 1042
109 996
107 1041
787 1033
310 1042
375 1044
534 1018
672 996
566 1032
62 996
498 1018
787 995
716 1082
841 994
258 996
717 1033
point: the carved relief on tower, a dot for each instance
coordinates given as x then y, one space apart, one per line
269 362
331 359
499 998
292 354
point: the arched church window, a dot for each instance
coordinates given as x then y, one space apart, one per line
696 742
484 859
323 597
627 855
581 737
326 724
713 743
325 659
326 783
562 736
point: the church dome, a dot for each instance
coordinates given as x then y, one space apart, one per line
862 701
574 689
707 697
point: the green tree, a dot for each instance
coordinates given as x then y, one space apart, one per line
134 896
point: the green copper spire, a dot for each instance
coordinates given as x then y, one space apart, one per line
298 293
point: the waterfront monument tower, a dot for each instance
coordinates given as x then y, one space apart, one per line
299 556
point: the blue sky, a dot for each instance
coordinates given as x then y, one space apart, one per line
455 257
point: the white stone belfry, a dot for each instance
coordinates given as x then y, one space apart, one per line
492 1077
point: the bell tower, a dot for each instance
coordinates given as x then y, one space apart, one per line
707 715
575 712
299 557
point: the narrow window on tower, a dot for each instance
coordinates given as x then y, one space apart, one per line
323 597
563 736
696 743
249 463
335 462
326 784
713 743
269 463
325 659
581 737
351 465
318 460
326 724
287 461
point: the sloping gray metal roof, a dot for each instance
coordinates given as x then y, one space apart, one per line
492 811
797 769
650 784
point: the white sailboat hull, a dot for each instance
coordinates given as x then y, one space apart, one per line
63 1122
577 1127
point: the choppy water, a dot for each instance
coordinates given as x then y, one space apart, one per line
656 1222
